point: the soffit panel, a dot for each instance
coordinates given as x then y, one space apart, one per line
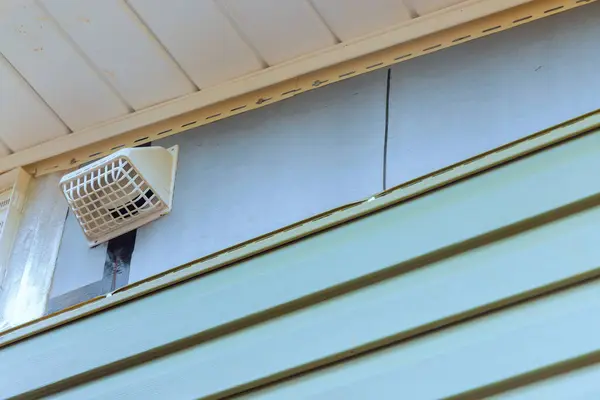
201 39
123 50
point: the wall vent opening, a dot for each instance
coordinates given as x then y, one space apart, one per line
121 192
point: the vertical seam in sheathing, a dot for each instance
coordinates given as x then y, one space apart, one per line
387 121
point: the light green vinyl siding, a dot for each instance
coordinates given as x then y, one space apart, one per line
402 295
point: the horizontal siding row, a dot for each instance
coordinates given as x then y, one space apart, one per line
463 290
395 309
580 383
454 361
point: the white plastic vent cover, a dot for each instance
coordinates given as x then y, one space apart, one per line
121 192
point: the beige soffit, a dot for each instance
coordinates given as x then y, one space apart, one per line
454 25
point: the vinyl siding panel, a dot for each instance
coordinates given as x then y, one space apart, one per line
472 355
379 284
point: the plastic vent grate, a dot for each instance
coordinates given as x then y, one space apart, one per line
110 196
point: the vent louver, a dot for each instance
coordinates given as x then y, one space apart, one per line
121 192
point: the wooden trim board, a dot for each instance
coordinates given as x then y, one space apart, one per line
454 25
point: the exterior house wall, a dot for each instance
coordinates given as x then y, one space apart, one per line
260 171
488 286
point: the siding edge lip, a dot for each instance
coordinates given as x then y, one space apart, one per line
327 220
547 372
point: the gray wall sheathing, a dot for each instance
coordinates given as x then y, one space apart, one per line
469 99
259 171
77 265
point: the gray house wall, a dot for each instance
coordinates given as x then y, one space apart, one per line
260 171
486 287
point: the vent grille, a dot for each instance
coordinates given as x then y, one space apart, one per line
110 196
